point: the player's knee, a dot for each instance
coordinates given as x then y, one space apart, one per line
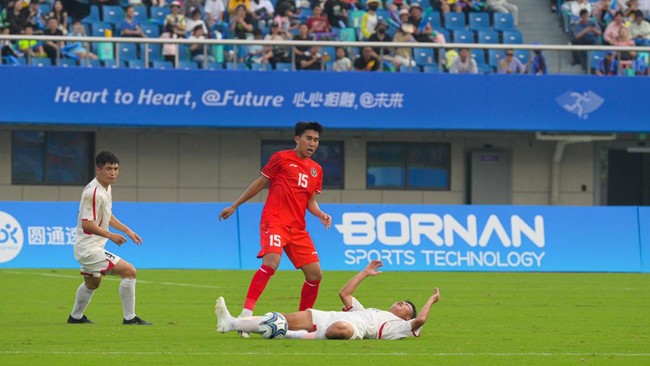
92 286
339 330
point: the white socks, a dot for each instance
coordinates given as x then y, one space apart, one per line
250 324
127 294
84 294
245 313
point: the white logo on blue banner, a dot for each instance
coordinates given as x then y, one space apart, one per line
11 237
580 104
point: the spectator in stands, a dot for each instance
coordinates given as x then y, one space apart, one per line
369 19
79 50
9 51
380 35
585 32
29 47
255 53
644 6
318 23
241 24
52 48
608 65
503 6
303 35
342 62
35 17
160 3
441 6
310 60
196 20
604 11
188 9
404 16
337 12
262 12
630 10
367 61
129 26
464 63
234 4
539 63
510 64
572 9
404 55
613 28
275 54
61 16
623 39
421 27
285 15
17 18
468 6
640 30
198 50
214 10
175 22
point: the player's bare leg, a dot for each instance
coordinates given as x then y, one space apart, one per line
339 330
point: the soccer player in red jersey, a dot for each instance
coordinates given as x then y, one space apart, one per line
294 180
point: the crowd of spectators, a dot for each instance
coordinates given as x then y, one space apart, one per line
608 22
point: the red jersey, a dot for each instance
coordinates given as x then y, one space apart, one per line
292 183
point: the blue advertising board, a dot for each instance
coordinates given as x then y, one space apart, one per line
202 98
175 235
404 237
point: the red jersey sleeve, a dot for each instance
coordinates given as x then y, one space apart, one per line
272 166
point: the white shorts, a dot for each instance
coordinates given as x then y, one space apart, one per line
323 319
99 263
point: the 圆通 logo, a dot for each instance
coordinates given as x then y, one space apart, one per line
580 104
11 237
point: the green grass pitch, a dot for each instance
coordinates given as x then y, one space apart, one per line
482 319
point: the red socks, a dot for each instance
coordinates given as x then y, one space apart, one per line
257 286
308 294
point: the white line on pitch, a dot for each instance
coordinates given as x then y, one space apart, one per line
113 279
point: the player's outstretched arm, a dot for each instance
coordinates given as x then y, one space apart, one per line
422 317
250 192
346 292
118 225
312 207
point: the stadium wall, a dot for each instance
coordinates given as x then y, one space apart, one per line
405 237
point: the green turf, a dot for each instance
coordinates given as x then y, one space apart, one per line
482 319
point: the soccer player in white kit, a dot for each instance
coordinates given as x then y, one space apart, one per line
94 218
353 322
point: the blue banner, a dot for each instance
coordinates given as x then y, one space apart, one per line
405 237
175 235
199 98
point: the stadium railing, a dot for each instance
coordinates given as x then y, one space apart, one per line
234 46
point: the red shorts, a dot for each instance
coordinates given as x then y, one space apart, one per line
296 243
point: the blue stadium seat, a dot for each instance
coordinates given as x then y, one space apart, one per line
134 64
444 32
431 69
479 21
158 14
595 57
98 29
67 62
112 14
488 36
479 56
140 13
93 16
423 56
237 66
259 67
41 62
512 36
187 65
463 36
151 30
494 56
283 66
109 63
503 21
126 51
154 50
45 9
159 64
455 21
184 52
523 56
91 63
434 19
218 66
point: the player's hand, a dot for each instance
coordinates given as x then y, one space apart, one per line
326 220
135 237
226 212
372 269
117 239
436 295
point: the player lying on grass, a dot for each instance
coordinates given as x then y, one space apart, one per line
354 322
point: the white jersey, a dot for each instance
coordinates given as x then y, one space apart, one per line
96 205
368 323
